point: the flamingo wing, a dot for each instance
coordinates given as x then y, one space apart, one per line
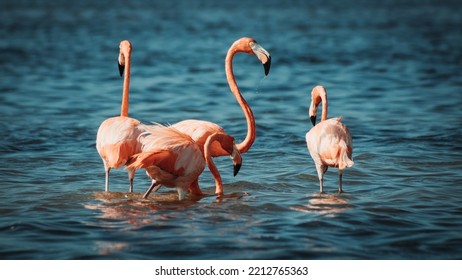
169 156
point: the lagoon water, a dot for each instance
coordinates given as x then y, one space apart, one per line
392 69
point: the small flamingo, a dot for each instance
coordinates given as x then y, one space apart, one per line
116 140
201 130
171 158
329 142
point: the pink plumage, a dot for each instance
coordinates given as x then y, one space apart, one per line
171 158
116 140
200 131
329 142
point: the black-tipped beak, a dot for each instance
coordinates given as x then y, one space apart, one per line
263 55
121 69
313 120
267 66
237 167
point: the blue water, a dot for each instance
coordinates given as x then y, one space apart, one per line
392 69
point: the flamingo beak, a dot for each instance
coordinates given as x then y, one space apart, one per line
313 120
312 112
121 69
237 167
237 159
267 66
263 55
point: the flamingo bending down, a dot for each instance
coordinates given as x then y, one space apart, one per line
200 131
225 142
117 137
329 142
171 158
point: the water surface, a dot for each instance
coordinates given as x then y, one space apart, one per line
391 69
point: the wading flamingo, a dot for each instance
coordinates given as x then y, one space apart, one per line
201 130
117 138
329 142
171 158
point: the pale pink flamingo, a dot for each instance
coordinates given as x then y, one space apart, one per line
171 158
116 140
329 142
201 130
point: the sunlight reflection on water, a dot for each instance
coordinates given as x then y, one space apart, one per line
325 205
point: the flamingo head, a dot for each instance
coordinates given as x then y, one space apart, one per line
237 159
228 144
230 147
318 94
125 50
250 46
313 112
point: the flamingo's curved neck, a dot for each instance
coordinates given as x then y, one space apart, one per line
126 87
324 107
245 145
208 159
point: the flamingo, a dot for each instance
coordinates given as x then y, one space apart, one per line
171 158
200 130
329 142
117 137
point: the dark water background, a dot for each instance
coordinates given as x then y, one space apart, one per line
391 68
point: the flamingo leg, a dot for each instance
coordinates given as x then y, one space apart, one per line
219 190
106 171
131 176
340 181
219 185
153 186
157 187
321 171
194 188
181 193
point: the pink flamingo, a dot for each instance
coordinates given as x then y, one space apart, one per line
171 158
116 140
329 142
200 131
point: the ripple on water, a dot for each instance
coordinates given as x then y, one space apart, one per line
402 196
